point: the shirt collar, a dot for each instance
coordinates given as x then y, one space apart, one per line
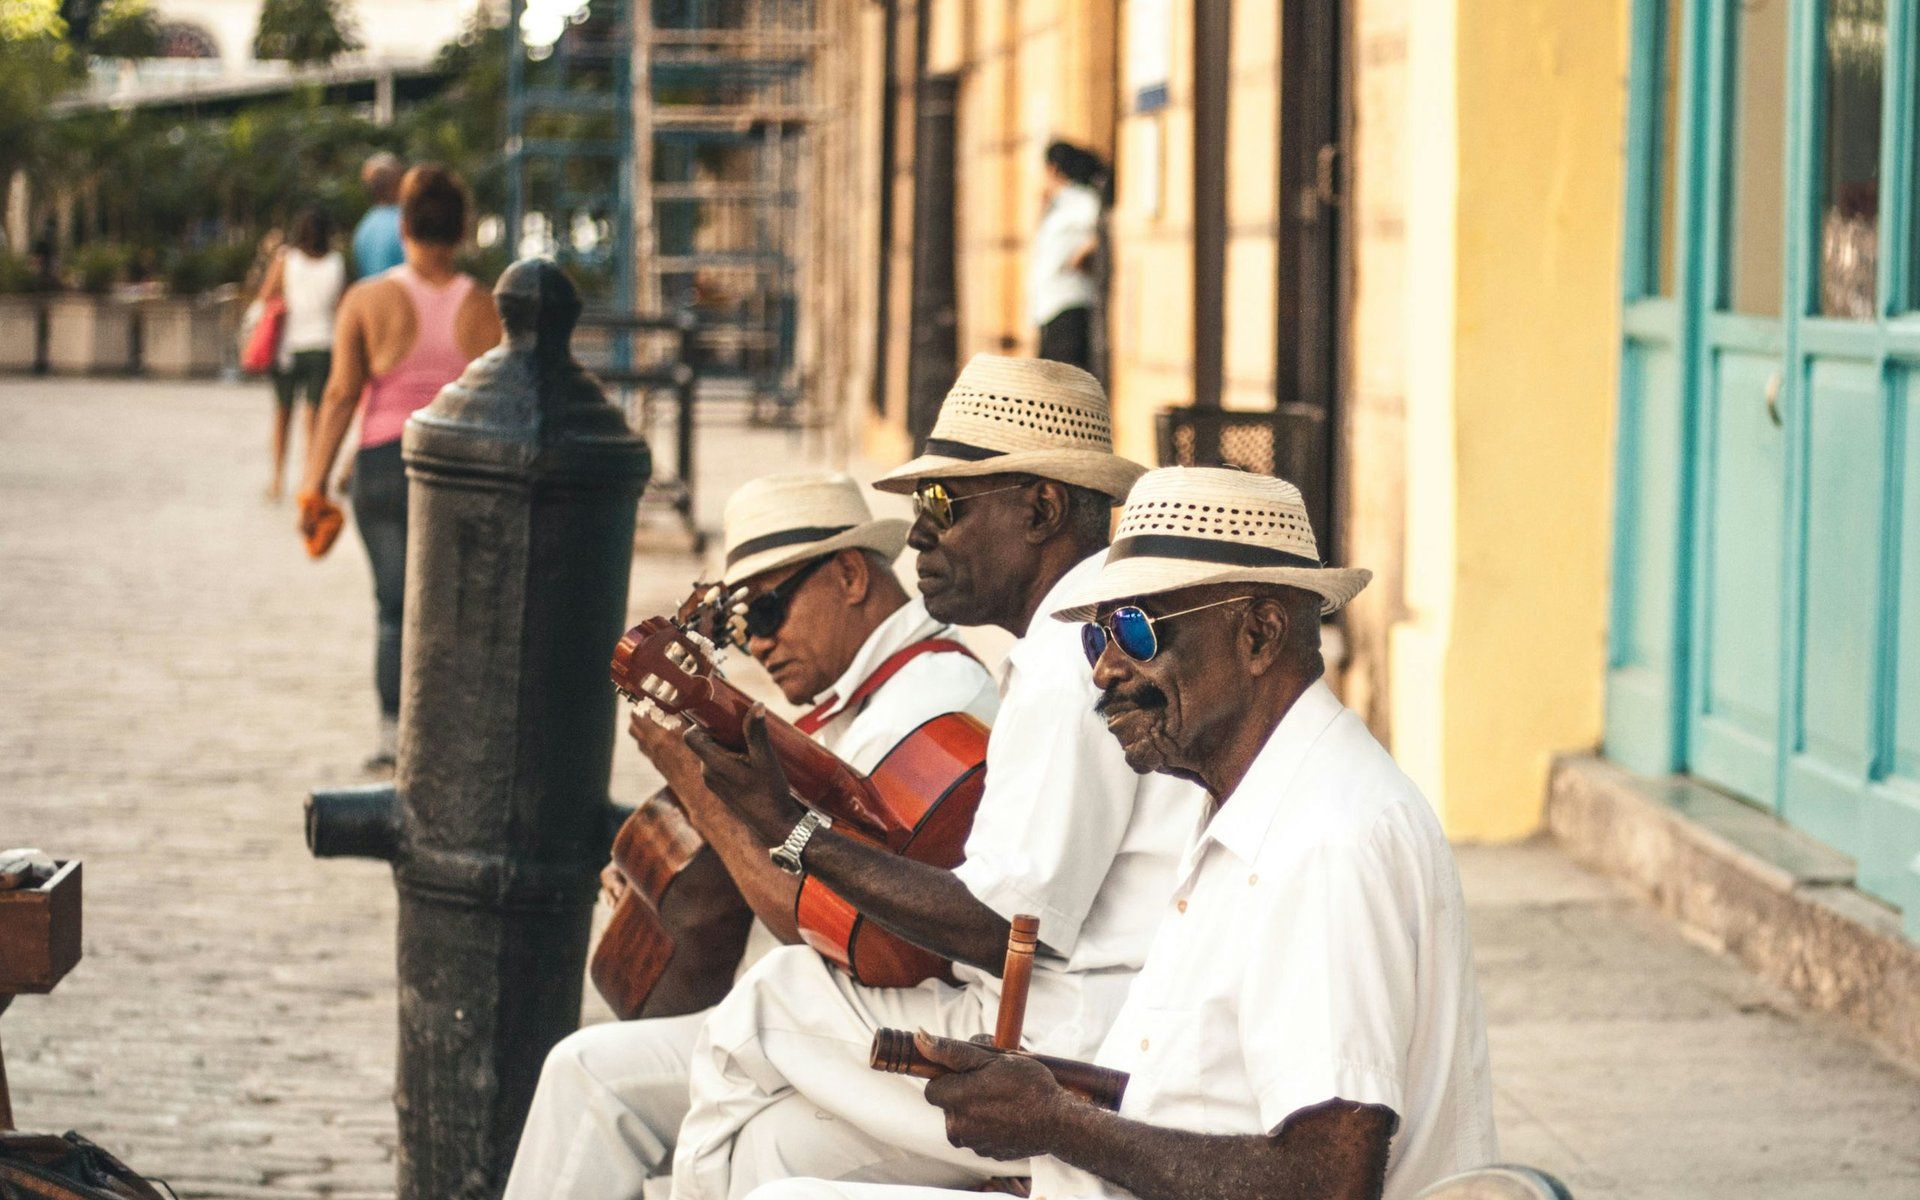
1080 574
908 624
1242 822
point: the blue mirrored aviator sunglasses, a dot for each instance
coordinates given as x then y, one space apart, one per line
1131 629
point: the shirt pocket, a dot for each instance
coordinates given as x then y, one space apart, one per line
1171 1067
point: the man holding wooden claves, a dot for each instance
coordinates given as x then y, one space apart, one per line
1306 1024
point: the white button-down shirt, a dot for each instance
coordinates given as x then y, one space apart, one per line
1315 947
939 681
1067 831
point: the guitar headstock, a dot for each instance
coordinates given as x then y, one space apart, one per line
704 613
659 665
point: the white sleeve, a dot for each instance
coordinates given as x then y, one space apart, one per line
1328 1009
1059 797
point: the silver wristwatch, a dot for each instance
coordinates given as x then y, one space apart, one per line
786 855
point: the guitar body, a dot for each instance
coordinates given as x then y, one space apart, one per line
930 784
919 801
675 939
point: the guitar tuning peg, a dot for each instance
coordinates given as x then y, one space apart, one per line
713 594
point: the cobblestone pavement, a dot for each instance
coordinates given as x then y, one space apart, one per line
174 676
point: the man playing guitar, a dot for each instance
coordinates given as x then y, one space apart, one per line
813 597
1013 501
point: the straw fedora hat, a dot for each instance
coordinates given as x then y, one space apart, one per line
1188 526
1021 416
778 520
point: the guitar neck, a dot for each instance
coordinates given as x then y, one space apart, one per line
821 780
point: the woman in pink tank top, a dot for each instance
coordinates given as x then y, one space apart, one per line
401 337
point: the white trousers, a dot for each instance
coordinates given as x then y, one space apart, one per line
604 1115
791 1041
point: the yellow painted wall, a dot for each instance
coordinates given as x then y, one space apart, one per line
1518 651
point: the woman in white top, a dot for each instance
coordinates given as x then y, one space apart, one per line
1061 289
308 275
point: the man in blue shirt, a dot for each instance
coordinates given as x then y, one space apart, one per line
376 239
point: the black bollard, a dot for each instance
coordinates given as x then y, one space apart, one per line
523 482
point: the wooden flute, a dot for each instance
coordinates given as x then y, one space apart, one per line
894 1050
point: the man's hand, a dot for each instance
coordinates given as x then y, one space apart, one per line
613 884
662 746
1001 1105
753 784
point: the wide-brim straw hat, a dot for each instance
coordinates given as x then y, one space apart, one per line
1188 527
1021 416
778 520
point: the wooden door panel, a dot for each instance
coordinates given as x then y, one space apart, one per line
1735 727
1846 452
1889 853
1640 725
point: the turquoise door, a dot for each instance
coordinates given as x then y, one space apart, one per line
1766 605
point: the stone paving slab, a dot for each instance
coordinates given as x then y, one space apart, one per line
175 675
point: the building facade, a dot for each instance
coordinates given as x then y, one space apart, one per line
1603 304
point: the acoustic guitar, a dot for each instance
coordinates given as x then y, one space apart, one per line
918 802
676 936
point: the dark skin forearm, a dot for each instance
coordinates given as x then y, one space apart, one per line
1010 1107
768 890
1335 1151
924 904
927 905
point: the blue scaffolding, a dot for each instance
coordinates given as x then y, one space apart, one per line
725 102
570 152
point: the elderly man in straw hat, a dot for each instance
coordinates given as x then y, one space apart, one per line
1013 500
818 606
1307 1022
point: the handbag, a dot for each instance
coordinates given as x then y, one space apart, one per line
263 341
45 1167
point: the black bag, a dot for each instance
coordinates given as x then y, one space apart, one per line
44 1166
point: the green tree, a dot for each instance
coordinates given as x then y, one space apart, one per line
124 29
304 32
36 65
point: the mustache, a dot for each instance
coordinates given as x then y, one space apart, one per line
1143 697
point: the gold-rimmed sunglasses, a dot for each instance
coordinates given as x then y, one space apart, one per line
934 502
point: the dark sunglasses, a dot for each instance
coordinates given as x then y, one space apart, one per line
1130 628
767 612
934 502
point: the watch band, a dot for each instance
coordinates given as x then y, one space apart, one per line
787 854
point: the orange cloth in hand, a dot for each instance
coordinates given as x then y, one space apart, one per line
320 523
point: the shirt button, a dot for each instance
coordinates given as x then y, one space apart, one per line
1143 1043
1181 905
1252 880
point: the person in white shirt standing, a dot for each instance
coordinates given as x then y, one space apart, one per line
308 276
1062 291
1307 1023
809 569
1013 500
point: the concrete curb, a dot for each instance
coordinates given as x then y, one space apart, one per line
1777 900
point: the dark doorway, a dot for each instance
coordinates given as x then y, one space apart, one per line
1310 371
934 335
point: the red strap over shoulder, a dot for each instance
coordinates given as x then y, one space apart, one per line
812 722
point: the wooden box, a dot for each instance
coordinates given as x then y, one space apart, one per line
40 932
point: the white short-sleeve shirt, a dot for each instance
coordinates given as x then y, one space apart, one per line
1067 831
930 684
1070 220
1314 947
